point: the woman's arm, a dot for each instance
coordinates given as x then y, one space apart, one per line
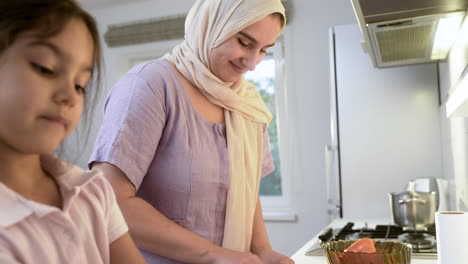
154 232
260 245
123 251
260 240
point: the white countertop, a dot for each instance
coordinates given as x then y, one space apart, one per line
300 258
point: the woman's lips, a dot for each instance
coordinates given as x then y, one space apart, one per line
238 69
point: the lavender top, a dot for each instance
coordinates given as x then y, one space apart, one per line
177 160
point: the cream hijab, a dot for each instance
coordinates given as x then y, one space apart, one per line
208 24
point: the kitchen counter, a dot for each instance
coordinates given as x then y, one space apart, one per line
300 258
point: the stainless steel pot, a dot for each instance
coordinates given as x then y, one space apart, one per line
413 209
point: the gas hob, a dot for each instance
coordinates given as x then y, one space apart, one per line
422 240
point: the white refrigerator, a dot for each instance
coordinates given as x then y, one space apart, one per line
384 127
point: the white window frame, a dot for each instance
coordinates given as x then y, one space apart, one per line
278 208
275 208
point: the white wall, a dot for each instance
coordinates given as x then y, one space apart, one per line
455 130
446 137
389 127
307 62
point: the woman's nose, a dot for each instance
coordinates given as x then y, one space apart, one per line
251 60
252 65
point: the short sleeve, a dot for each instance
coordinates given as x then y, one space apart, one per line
134 119
6 255
116 225
268 165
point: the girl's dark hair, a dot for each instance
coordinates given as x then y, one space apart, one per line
48 18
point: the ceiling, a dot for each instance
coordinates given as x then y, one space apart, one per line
94 4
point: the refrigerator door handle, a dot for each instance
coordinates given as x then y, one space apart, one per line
333 206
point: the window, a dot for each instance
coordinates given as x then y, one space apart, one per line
269 78
264 79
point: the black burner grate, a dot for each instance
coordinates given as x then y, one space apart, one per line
380 231
391 232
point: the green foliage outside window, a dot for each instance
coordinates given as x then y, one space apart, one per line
263 78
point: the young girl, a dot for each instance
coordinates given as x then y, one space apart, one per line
51 211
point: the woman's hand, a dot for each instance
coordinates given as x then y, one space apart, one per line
228 256
269 256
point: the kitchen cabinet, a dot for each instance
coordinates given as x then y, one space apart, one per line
457 75
457 103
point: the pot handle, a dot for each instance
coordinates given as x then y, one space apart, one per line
410 200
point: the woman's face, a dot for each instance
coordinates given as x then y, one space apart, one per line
42 88
243 51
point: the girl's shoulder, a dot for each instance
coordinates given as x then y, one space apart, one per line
70 176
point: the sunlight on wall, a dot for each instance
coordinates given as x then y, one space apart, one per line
458 60
459 54
460 161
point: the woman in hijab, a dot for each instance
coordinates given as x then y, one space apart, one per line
184 140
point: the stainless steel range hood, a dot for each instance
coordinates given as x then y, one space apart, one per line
402 32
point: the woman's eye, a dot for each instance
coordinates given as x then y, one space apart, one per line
242 43
42 69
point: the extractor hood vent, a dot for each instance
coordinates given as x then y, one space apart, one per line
407 43
397 36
